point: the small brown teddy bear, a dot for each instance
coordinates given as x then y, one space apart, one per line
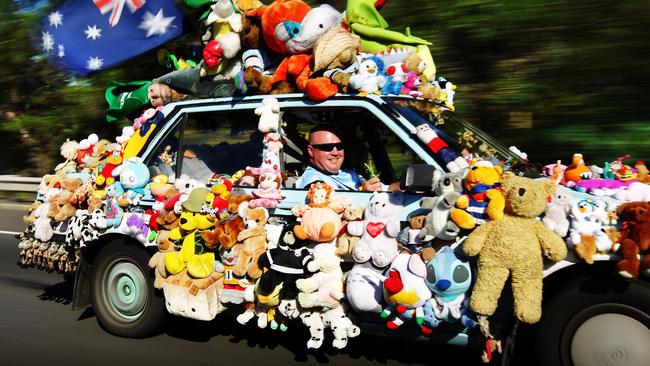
410 240
634 238
225 232
513 246
253 241
345 242
157 261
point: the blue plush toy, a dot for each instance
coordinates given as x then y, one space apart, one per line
112 209
449 278
134 176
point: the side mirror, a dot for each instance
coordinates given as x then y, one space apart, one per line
418 178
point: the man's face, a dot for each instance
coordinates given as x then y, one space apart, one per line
326 161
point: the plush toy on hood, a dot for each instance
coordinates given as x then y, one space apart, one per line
634 239
513 246
405 290
556 213
635 192
587 236
134 176
577 171
643 175
483 198
449 278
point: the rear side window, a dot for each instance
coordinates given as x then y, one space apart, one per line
220 143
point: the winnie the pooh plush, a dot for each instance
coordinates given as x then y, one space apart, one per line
483 199
635 238
513 246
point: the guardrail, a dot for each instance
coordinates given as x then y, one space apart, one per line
14 183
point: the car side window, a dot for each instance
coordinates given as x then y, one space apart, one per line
366 139
164 158
220 143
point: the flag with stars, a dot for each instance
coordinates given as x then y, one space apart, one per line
86 36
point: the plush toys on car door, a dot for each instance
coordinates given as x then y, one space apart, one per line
449 278
586 236
320 218
513 246
405 290
253 239
635 238
324 289
378 230
483 198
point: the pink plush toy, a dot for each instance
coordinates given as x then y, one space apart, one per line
267 194
411 84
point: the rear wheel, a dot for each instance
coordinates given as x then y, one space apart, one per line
596 321
122 295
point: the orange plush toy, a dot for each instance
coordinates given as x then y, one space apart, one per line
281 22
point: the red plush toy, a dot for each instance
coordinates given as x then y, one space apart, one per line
280 23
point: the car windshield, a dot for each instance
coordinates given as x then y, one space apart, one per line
469 140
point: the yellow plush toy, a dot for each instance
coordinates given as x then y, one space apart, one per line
483 198
513 246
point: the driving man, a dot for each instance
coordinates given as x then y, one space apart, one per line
326 154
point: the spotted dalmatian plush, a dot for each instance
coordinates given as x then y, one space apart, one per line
84 227
335 319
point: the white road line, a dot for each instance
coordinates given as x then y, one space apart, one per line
9 232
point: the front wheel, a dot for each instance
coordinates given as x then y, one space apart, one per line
122 295
596 321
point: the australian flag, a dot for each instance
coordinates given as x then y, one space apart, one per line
86 36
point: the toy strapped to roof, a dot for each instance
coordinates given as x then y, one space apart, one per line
285 47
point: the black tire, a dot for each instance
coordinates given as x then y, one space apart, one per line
122 293
595 321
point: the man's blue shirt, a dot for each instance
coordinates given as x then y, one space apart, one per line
345 180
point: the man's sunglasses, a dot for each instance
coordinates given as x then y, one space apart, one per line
328 147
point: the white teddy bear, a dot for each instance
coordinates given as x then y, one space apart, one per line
269 114
324 288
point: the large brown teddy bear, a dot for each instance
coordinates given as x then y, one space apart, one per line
513 246
635 238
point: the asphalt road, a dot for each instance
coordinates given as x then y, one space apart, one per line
38 327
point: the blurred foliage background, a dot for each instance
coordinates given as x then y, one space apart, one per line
552 77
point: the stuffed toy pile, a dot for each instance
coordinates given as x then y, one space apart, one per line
287 46
222 246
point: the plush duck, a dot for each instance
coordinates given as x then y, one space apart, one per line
367 80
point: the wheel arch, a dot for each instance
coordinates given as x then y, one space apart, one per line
81 293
